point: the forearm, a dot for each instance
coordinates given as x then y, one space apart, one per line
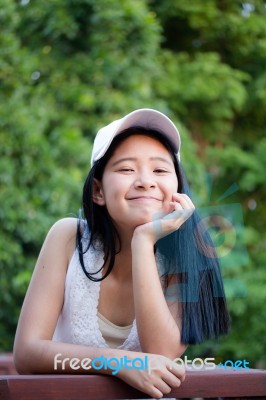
158 330
47 356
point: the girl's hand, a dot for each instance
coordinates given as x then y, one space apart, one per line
162 376
181 208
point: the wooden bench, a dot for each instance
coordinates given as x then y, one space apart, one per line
239 384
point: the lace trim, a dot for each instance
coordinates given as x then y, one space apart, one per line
84 299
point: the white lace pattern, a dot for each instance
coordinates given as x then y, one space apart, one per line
84 298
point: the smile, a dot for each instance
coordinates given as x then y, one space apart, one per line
144 198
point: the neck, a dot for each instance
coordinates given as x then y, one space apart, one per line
122 269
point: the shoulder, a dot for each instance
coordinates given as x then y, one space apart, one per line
62 234
66 226
65 229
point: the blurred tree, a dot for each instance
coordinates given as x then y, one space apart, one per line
40 167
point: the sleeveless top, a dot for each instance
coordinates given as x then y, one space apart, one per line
78 321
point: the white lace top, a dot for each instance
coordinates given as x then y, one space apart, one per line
78 321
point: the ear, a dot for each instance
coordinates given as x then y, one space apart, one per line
98 196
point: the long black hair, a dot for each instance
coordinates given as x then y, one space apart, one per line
187 253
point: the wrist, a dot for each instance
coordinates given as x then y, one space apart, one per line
140 239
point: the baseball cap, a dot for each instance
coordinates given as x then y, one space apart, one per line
145 118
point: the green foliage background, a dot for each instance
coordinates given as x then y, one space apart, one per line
67 67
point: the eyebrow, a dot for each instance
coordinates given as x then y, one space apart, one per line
135 159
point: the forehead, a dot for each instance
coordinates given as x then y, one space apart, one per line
141 146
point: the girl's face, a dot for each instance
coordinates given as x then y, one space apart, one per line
138 182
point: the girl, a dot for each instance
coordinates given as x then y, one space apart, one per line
134 277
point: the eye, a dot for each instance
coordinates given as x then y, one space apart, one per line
160 170
126 170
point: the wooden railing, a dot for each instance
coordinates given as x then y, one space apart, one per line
240 384
7 366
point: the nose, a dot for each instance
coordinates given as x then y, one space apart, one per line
145 181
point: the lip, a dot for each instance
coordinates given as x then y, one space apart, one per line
144 198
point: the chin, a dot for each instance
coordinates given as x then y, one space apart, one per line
144 220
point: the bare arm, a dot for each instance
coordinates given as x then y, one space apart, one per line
44 298
34 350
158 325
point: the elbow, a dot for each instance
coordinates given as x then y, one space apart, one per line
173 354
21 370
170 352
20 365
24 358
21 362
179 351
32 357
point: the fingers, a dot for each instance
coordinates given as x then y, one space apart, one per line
158 381
169 378
182 208
183 202
163 223
179 371
163 384
170 381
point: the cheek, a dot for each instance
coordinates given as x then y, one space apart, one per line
113 192
172 185
176 184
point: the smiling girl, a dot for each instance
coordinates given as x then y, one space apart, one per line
133 276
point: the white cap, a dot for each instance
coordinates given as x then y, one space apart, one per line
145 118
